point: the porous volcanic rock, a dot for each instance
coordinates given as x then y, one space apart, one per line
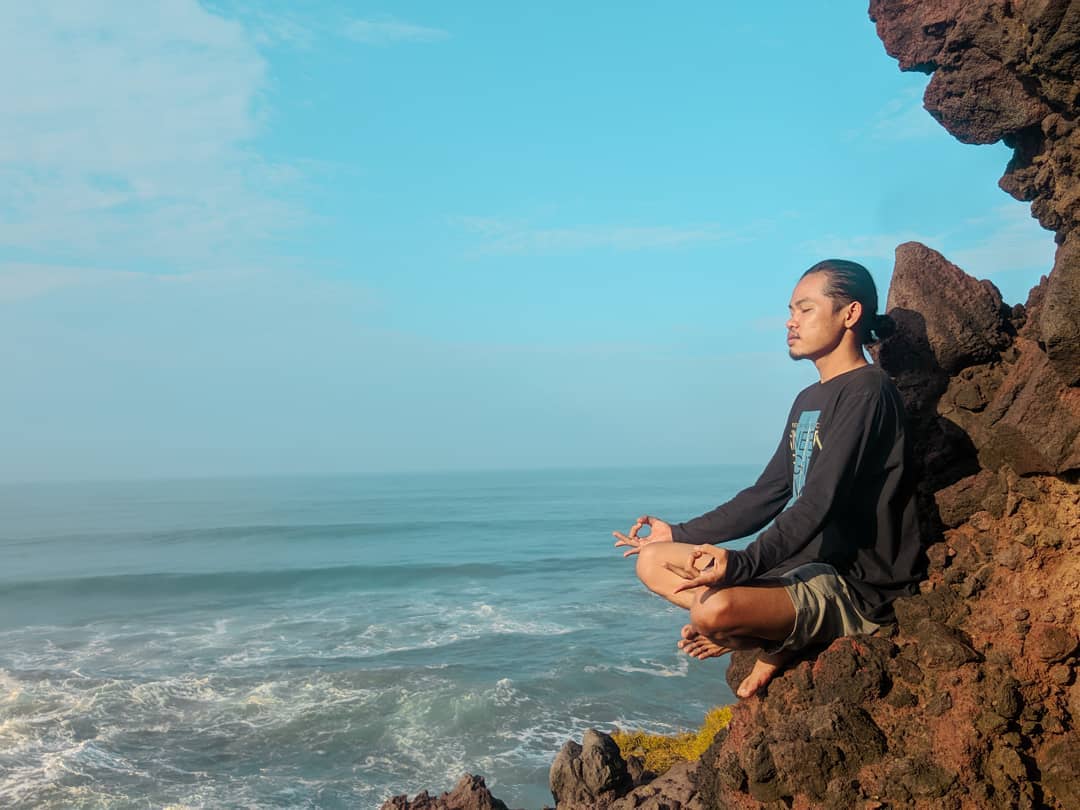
594 776
1010 70
470 793
957 356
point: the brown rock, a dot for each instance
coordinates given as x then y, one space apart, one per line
591 774
1059 321
852 669
941 647
939 704
918 778
1057 764
1050 643
960 501
1033 421
1060 675
675 789
982 101
963 320
470 793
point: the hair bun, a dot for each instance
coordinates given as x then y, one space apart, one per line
883 327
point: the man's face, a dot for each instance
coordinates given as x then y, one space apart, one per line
814 328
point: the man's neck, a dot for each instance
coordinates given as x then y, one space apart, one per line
840 362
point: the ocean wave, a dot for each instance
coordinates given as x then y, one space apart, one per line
349 530
680 669
80 742
243 583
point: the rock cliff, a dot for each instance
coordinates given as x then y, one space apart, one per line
972 699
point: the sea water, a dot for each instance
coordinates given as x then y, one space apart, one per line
330 642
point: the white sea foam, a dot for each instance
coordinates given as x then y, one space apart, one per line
680 669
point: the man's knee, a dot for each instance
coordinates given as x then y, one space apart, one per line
649 565
715 614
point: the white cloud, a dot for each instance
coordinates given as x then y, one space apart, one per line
291 25
126 137
1010 240
387 31
506 237
1007 239
19 280
877 247
904 118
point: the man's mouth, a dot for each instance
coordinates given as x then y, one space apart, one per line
792 338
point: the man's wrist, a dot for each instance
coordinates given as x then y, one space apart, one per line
678 534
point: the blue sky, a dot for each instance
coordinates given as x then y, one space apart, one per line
313 237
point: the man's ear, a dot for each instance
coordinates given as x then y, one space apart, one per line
852 314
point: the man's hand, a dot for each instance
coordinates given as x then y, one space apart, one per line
659 532
710 565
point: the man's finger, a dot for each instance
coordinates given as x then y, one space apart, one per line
697 582
623 540
684 573
641 521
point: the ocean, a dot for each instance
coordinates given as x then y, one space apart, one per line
331 641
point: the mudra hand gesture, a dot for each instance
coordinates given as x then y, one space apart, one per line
706 566
659 532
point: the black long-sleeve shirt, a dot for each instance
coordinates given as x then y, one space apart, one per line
843 472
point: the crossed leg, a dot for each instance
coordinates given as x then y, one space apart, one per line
721 619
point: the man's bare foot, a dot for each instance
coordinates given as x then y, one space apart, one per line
765 668
698 646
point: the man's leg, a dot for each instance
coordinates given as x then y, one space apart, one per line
721 619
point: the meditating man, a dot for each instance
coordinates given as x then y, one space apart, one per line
844 540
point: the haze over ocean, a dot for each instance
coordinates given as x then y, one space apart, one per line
329 641
308 238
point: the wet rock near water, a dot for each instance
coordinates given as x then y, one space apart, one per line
470 793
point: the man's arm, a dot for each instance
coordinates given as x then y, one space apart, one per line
748 511
830 480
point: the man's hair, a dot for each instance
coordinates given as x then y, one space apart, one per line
850 281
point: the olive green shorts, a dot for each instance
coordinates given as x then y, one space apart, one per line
824 608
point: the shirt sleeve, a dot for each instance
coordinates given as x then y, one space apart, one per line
829 480
748 511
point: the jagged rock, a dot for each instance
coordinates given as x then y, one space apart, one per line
1057 764
1009 71
963 319
967 496
1050 643
1033 422
853 670
1059 323
674 790
470 793
941 647
591 774
913 778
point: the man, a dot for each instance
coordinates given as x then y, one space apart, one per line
845 539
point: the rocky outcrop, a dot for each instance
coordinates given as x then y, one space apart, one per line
967 369
969 703
470 793
1010 70
590 774
594 776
